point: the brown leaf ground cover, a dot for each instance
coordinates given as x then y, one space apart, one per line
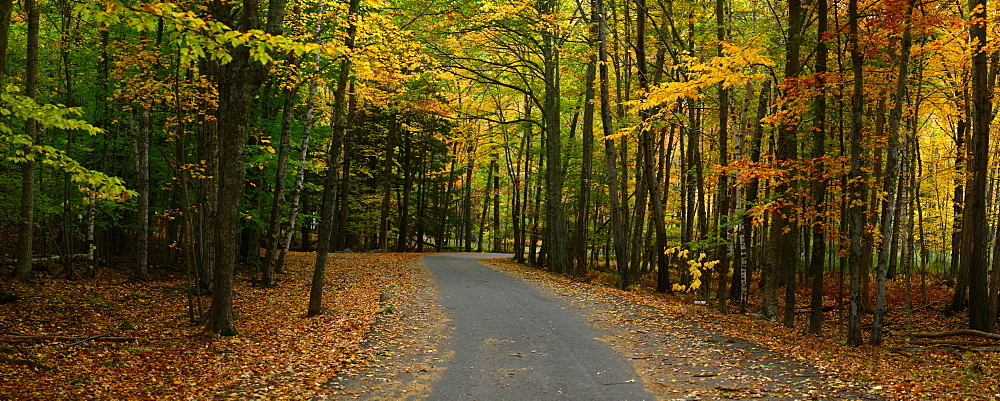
899 370
278 354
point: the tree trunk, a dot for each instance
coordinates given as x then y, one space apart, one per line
237 83
142 215
26 231
332 173
404 204
976 225
856 200
485 205
746 223
819 186
497 237
722 199
958 201
784 232
556 241
587 159
395 125
289 227
6 7
891 177
278 194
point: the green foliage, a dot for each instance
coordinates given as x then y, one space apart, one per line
24 148
199 38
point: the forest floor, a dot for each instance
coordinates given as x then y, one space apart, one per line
151 349
159 354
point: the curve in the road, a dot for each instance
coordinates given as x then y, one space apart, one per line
512 342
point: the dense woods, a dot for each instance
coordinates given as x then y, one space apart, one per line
744 151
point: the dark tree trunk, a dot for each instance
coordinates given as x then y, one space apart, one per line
890 184
6 7
787 150
278 194
466 237
26 231
485 205
856 199
587 159
746 225
404 204
976 225
343 233
142 215
617 212
722 200
237 83
556 241
325 236
819 186
497 232
395 125
958 201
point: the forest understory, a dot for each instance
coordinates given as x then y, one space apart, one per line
112 338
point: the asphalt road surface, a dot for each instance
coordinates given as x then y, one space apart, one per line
511 342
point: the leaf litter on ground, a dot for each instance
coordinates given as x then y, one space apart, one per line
278 353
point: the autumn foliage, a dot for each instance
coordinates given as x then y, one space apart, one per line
278 353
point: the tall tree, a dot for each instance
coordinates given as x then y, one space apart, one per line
976 226
580 233
722 200
856 200
556 244
819 187
332 173
617 211
891 176
25 237
237 83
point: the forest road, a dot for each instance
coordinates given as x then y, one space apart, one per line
512 342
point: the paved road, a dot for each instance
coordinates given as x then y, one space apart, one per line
511 342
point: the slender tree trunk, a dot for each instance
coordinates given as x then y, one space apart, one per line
587 159
617 214
26 231
722 199
404 208
300 174
819 186
343 233
958 201
486 204
395 125
332 173
421 199
6 7
535 234
496 229
142 215
467 220
556 241
891 176
445 208
278 197
856 200
746 224
784 232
